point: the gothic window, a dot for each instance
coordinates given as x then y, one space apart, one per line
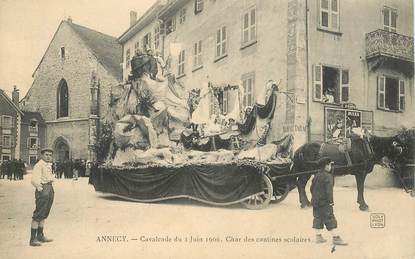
63 99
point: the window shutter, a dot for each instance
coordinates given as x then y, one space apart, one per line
394 16
386 19
13 120
225 101
28 142
211 104
381 92
173 23
162 28
334 14
318 82
401 95
195 55
223 41
149 40
345 86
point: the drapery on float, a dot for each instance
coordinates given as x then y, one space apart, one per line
162 144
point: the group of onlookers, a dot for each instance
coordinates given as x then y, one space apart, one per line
69 169
12 169
16 168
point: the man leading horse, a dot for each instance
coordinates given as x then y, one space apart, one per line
365 151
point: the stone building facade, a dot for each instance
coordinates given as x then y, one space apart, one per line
11 117
331 57
72 88
32 137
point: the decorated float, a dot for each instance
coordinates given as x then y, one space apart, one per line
161 142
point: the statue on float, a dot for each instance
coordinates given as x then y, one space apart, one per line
150 109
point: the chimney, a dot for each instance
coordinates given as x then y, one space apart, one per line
15 96
133 17
69 19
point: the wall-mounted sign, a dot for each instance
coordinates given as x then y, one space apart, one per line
339 122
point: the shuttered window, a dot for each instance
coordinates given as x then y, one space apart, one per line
249 26
390 17
331 84
197 54
391 94
221 38
329 14
248 84
181 64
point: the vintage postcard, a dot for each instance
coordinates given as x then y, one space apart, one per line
207 129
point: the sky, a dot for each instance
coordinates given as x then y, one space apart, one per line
27 27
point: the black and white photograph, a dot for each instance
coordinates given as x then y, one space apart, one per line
200 129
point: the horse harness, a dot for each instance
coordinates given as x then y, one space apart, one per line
344 148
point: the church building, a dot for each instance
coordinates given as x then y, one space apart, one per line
72 88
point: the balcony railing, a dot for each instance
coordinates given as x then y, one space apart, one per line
389 44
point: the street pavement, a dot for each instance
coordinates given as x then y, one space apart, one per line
87 224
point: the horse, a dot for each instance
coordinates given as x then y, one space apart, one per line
404 165
358 160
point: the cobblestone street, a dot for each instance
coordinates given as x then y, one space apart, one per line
85 224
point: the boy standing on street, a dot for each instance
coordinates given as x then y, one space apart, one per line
322 201
42 179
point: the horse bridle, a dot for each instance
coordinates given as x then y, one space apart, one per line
369 148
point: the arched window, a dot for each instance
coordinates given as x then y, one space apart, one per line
63 99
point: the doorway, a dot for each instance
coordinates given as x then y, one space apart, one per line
62 151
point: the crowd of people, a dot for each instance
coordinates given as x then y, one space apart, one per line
15 169
12 169
71 169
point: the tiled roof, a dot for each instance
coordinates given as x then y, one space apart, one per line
106 48
7 98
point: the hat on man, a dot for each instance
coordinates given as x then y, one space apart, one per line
324 161
46 150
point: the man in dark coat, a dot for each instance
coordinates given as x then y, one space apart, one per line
2 169
322 201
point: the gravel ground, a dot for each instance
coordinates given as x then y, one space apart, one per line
81 221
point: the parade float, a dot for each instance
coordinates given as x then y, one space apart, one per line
161 142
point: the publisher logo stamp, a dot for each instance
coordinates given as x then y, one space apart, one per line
377 220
